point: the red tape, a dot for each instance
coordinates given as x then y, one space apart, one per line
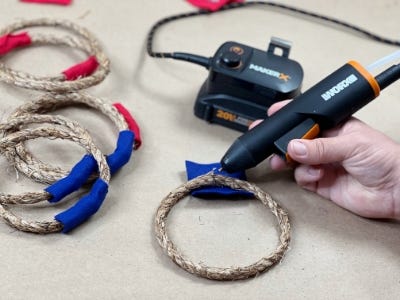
9 42
59 2
82 69
133 126
212 5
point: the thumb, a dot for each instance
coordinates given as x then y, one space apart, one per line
320 150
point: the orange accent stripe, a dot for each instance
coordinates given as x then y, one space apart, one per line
289 160
373 83
312 133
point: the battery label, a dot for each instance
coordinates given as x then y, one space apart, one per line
231 117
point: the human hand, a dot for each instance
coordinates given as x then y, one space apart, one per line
354 165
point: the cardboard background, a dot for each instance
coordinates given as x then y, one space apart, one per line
334 254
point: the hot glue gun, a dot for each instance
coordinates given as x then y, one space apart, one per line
323 106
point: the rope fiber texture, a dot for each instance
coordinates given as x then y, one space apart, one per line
221 273
94 170
82 39
24 161
57 127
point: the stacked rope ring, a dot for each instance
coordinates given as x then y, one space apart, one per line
86 206
218 273
129 134
83 75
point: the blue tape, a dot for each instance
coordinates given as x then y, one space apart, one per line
75 179
87 206
194 170
87 166
123 151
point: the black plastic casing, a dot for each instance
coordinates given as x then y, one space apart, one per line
327 103
243 82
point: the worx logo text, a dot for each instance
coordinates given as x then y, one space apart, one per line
339 87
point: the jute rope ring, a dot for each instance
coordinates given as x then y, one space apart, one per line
94 70
219 273
24 161
56 130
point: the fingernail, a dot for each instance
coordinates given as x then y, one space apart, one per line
299 148
314 172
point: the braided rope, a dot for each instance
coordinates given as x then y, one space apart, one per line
56 23
84 41
24 161
218 273
60 128
238 5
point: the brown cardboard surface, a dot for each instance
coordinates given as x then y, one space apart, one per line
334 254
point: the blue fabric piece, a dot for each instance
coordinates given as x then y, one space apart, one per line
88 165
194 170
87 206
75 179
122 152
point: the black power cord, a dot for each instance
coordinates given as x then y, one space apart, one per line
205 61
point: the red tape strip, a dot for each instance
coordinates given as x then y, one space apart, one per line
59 2
212 5
82 69
133 126
9 42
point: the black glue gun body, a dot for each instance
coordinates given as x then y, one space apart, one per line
323 106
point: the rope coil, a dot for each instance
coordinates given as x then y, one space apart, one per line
24 161
60 128
81 76
94 166
221 273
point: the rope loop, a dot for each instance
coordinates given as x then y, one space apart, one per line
221 273
59 128
80 76
25 162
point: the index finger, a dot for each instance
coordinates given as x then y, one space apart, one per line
277 106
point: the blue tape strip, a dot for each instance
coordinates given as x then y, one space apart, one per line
87 206
194 170
123 151
75 179
87 166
